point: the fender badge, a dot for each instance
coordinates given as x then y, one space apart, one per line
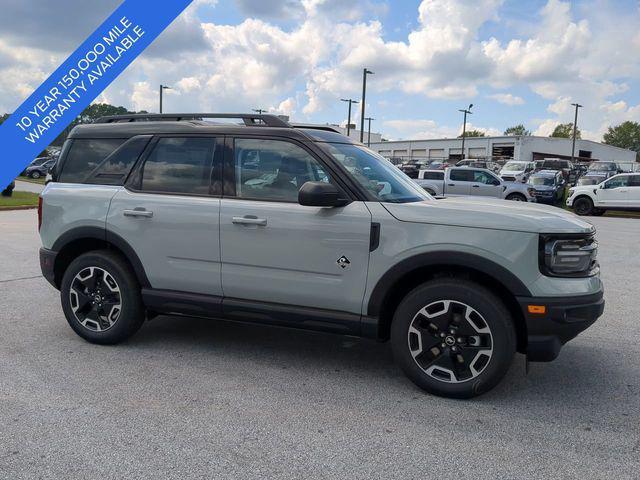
343 262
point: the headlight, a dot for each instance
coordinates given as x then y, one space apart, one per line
532 191
571 191
569 255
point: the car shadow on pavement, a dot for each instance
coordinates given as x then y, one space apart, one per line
582 377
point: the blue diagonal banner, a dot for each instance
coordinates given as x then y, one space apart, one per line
80 79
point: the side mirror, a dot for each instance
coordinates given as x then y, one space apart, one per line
320 194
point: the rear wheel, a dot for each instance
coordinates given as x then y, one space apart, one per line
583 206
101 298
516 197
453 338
35 175
598 212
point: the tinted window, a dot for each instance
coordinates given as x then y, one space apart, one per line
84 156
619 181
179 165
273 169
634 181
461 175
115 168
433 175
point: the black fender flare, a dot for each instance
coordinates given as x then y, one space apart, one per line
442 259
104 235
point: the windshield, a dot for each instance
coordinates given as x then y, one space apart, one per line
514 166
377 175
589 180
602 167
542 181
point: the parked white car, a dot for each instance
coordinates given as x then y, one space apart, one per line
517 171
620 192
463 181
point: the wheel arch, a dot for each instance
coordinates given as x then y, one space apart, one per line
77 241
411 272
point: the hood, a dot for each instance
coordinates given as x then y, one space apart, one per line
490 213
511 172
544 188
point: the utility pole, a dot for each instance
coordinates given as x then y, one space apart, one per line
162 87
369 119
575 129
349 117
365 72
464 125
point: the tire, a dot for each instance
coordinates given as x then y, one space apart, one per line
598 212
583 206
516 197
35 175
117 312
483 337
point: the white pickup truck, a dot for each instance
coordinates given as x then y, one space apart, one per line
459 181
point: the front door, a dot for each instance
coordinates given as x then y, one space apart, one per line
275 250
169 214
486 185
615 192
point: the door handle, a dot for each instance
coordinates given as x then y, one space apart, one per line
451 184
249 220
475 186
138 212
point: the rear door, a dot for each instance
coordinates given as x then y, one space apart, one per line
169 213
276 251
458 182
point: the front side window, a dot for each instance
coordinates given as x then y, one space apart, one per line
616 182
179 165
84 156
274 169
375 174
484 177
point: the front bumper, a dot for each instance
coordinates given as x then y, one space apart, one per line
47 264
564 319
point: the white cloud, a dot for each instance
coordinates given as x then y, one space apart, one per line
507 99
420 129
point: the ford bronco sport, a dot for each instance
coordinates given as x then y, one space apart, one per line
300 226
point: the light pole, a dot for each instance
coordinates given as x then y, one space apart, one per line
365 72
349 119
369 119
575 129
464 125
259 111
162 87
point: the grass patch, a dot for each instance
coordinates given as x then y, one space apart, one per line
32 180
19 199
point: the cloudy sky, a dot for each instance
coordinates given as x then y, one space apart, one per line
516 61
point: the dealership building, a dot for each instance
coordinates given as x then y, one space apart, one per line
527 148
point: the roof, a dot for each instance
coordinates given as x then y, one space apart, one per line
127 126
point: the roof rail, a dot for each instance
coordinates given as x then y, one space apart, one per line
250 120
311 126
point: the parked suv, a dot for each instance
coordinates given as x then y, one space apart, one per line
620 192
299 226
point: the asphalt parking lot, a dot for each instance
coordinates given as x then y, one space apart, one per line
210 399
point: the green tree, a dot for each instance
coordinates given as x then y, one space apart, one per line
472 133
3 117
625 135
565 130
517 130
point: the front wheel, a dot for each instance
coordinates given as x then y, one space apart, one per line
101 298
35 175
516 197
583 206
453 338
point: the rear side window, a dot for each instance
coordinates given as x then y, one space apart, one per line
179 165
114 169
84 156
433 176
461 175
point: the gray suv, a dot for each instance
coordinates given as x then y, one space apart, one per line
299 226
